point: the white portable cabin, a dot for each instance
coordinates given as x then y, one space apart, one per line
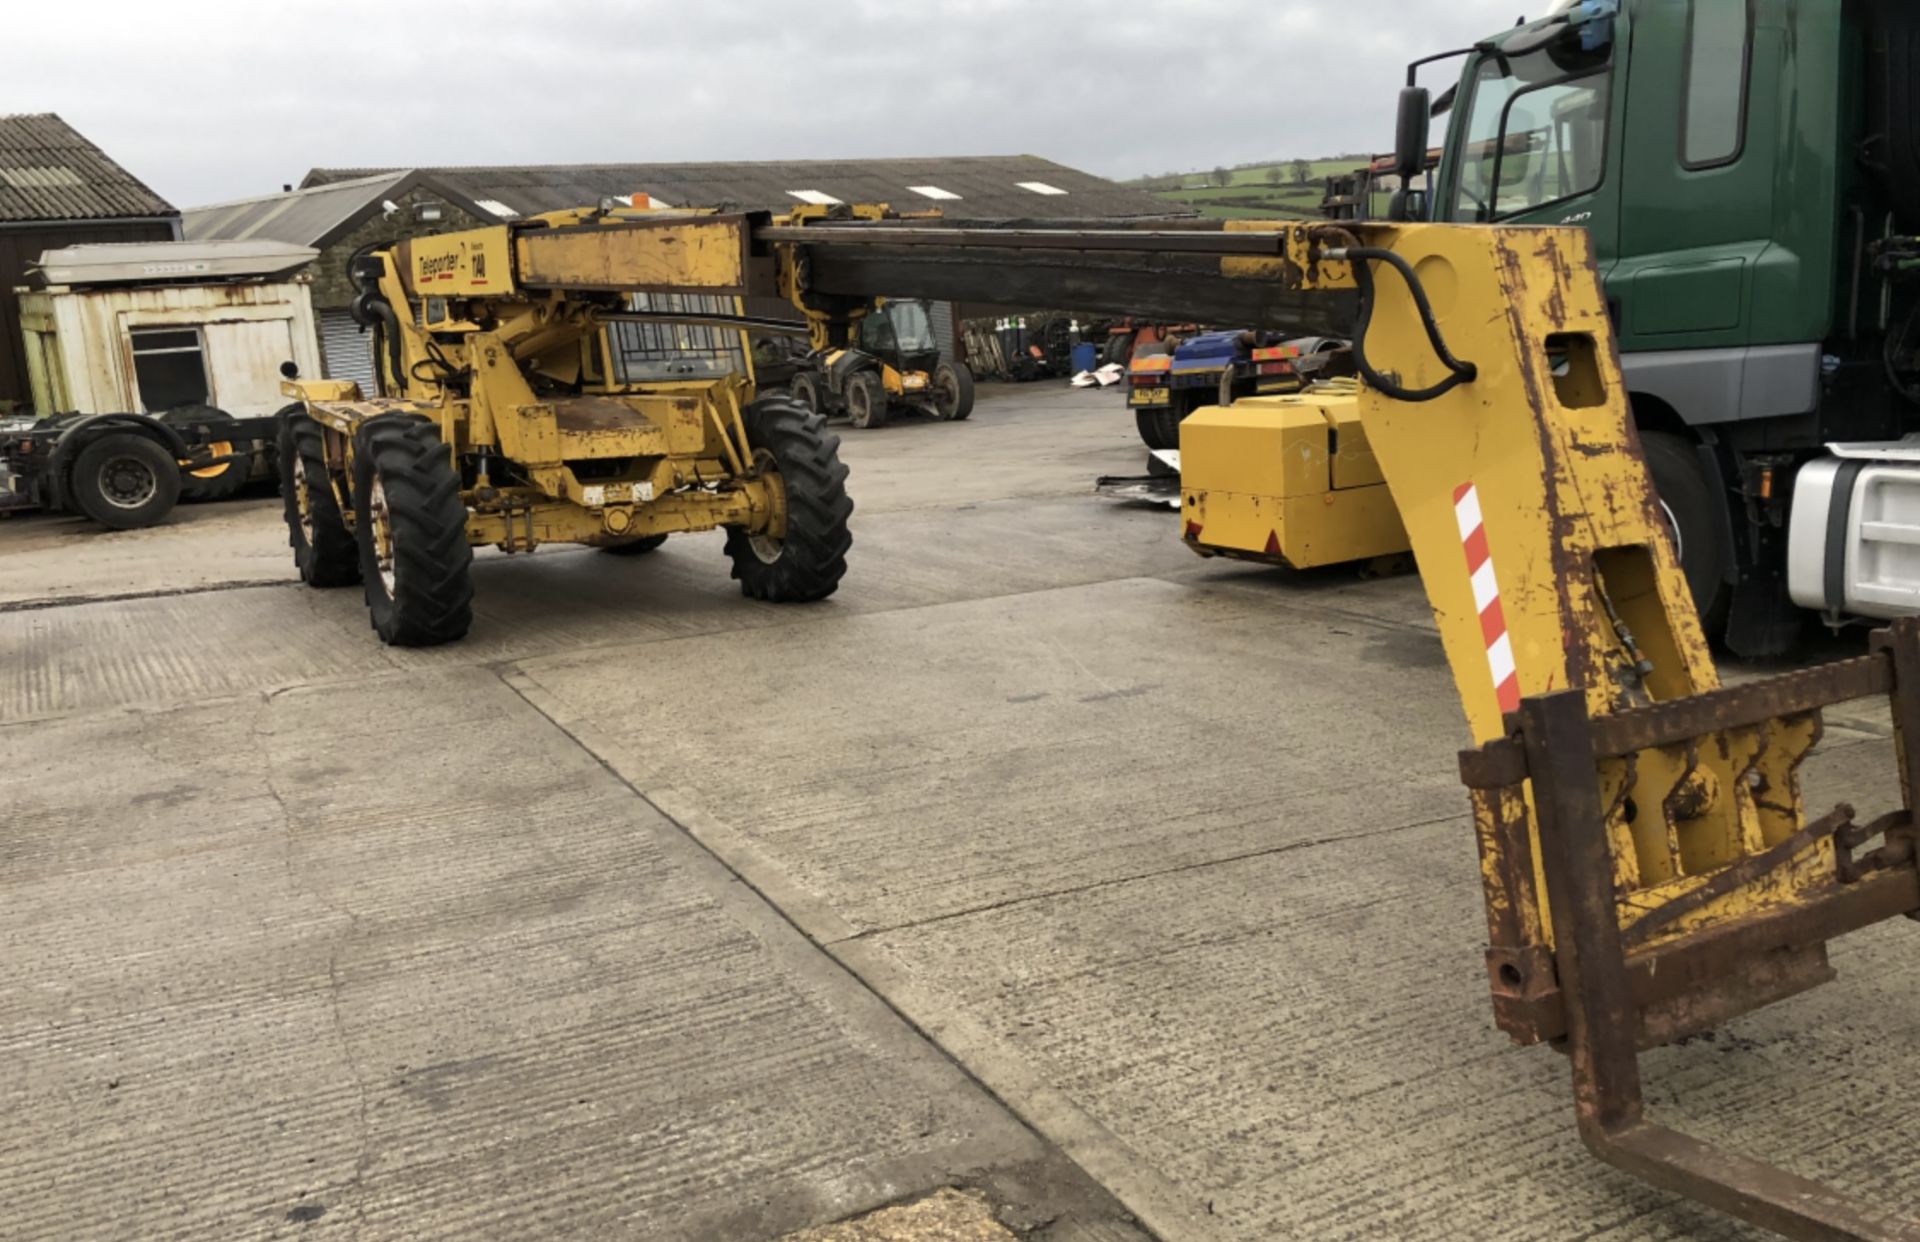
145 327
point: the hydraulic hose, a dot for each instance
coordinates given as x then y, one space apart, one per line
1458 372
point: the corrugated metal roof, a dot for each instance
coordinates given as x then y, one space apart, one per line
308 217
983 187
49 172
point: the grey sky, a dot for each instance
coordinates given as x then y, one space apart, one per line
209 100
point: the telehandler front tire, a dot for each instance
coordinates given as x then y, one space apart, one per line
952 391
411 523
866 400
808 561
323 548
805 388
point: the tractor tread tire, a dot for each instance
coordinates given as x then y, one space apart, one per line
813 553
83 483
333 558
432 599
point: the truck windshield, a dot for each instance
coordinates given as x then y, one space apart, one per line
1535 133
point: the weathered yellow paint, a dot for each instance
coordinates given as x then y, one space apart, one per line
1573 527
533 393
688 254
474 263
1286 478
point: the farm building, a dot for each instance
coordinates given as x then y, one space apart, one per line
339 210
58 190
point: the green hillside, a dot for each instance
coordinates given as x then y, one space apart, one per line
1260 191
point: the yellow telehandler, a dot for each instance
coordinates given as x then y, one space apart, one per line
893 363
503 419
1649 867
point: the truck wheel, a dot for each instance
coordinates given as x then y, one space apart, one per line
125 481
323 548
952 391
1681 487
866 401
1158 429
211 482
808 561
635 547
411 524
805 388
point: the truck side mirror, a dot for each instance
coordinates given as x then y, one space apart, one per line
1410 133
290 369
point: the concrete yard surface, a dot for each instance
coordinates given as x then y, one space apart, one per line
1046 882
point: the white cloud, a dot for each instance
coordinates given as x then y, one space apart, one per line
220 99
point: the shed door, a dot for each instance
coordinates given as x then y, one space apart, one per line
243 360
346 352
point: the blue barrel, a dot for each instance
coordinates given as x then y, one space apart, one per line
1085 356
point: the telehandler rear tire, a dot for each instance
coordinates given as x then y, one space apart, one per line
411 523
866 401
323 548
808 561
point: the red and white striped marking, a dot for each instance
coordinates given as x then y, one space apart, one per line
1486 597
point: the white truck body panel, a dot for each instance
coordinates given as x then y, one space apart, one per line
1853 539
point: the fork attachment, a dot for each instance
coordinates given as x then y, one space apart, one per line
1605 970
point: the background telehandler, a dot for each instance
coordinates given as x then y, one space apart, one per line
503 420
893 362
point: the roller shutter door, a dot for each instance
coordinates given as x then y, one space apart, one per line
941 313
346 352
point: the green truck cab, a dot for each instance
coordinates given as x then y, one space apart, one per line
1749 171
